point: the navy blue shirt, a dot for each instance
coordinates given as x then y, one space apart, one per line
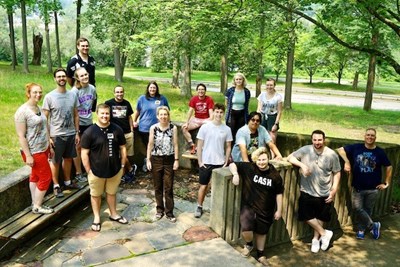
366 165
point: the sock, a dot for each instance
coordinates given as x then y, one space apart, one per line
260 253
131 169
67 182
250 244
56 185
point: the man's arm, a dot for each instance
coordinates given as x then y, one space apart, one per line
278 212
234 171
274 148
189 115
305 170
135 117
85 159
122 152
243 152
76 122
228 149
336 179
70 81
342 153
200 144
388 179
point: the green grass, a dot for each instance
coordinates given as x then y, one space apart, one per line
343 122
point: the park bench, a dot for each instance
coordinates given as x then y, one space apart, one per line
19 228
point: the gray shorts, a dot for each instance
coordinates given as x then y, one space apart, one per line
64 147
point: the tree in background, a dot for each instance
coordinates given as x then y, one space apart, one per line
10 6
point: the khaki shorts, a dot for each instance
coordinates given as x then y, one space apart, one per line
100 185
129 144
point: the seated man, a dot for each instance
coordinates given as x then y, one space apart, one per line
202 106
250 137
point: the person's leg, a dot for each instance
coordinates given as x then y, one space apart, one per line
39 196
55 170
96 203
77 160
260 243
158 182
202 194
169 185
316 225
112 205
363 218
32 189
67 166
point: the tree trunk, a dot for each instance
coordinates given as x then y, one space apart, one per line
37 49
260 74
57 40
10 16
49 64
175 73
117 65
289 66
355 80
371 72
78 20
224 73
186 88
124 58
24 37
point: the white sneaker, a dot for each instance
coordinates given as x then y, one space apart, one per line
315 245
246 250
325 239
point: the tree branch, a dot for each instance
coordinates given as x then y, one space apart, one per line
388 58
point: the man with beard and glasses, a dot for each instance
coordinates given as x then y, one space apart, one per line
319 181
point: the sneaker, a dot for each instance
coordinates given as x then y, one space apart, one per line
360 235
134 166
73 186
128 178
246 250
263 261
325 239
80 178
198 212
144 166
58 192
42 210
159 215
315 245
376 230
171 218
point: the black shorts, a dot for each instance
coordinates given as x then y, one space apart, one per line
268 121
252 221
206 172
311 207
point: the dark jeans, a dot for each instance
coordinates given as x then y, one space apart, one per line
363 202
163 179
237 121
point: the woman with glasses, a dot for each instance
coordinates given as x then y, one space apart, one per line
250 137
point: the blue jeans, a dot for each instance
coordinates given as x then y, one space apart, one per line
363 202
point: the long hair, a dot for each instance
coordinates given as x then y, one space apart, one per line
157 90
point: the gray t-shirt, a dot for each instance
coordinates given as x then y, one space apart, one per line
36 128
86 97
214 137
322 167
61 108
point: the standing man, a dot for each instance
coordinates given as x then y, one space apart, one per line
121 115
81 60
365 161
104 156
60 109
202 106
319 181
213 151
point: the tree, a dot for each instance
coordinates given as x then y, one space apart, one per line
10 5
57 9
78 21
37 48
24 37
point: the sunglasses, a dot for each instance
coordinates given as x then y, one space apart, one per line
255 120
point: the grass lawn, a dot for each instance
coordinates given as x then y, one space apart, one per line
336 121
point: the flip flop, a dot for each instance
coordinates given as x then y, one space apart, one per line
120 219
96 227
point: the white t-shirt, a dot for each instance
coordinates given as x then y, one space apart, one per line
214 138
269 106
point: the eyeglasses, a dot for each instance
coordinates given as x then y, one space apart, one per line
255 120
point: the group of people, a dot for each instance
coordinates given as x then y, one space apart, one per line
62 131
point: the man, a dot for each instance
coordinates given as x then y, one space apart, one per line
261 194
103 156
365 161
319 180
213 151
201 105
121 115
81 60
60 108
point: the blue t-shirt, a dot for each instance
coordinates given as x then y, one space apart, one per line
148 111
366 165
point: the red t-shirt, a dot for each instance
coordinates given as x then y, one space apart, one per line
201 106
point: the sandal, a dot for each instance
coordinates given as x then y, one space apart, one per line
120 219
96 227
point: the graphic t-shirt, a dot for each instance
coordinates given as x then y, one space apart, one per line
201 106
120 112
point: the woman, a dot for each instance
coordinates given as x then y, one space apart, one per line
261 200
87 96
162 161
250 137
146 112
270 105
33 136
237 100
